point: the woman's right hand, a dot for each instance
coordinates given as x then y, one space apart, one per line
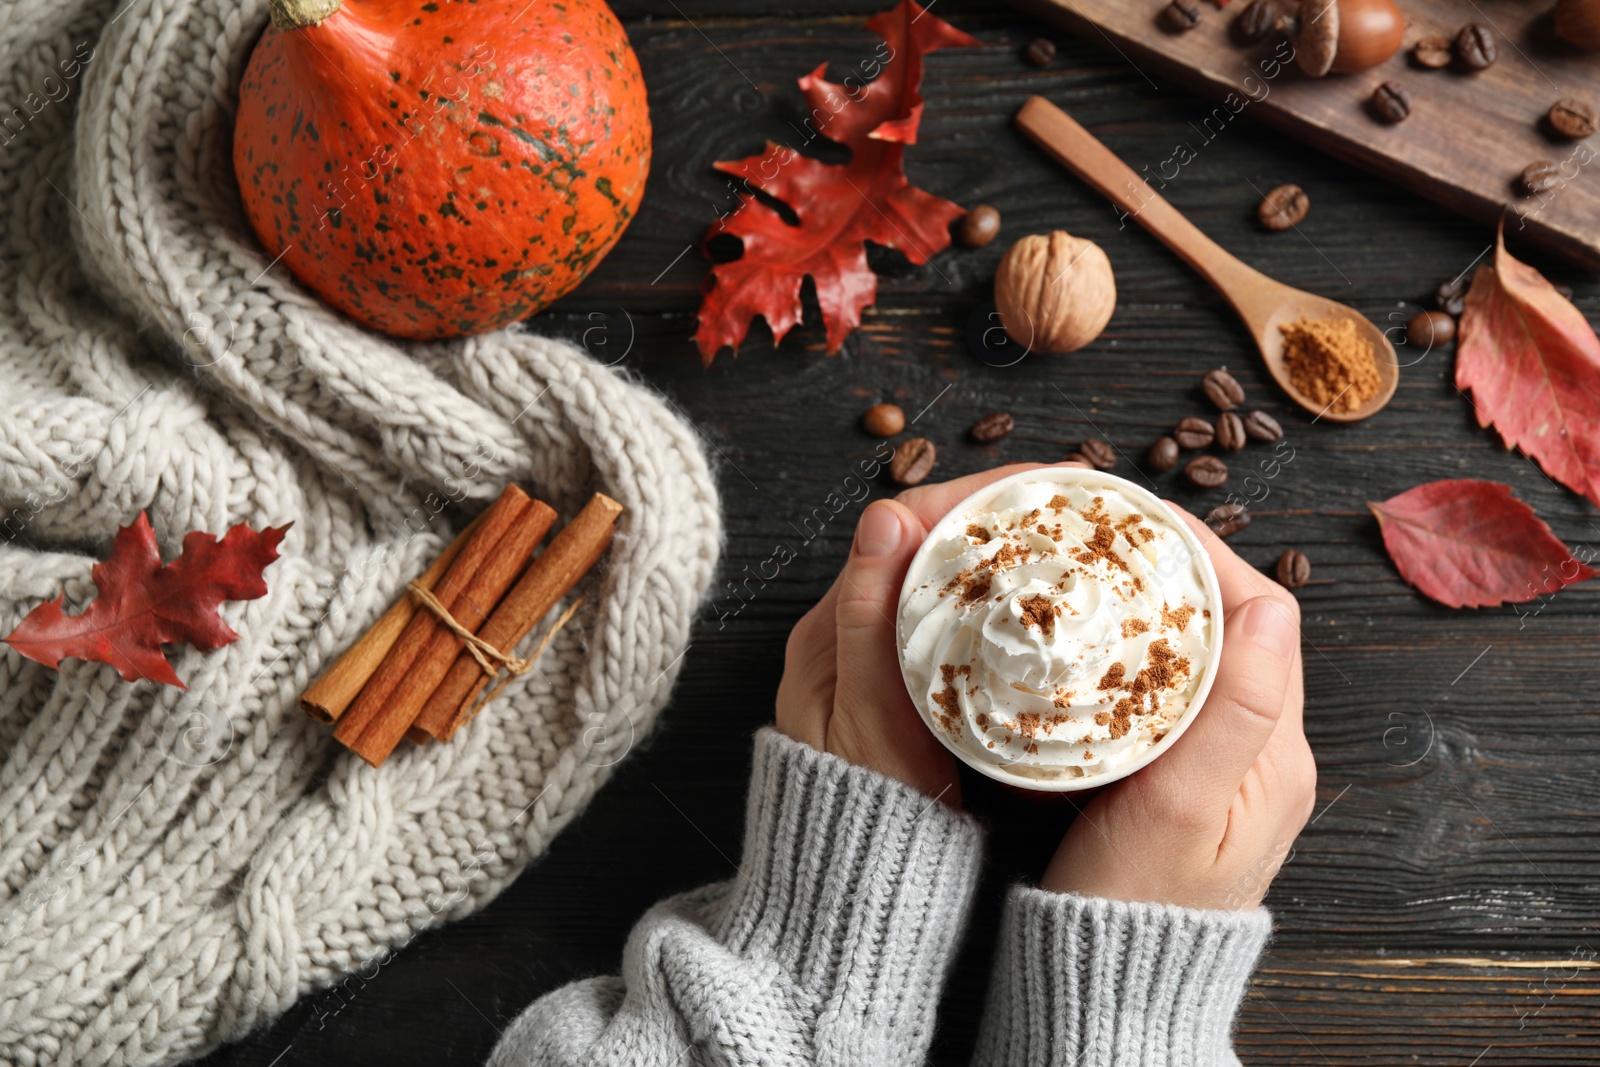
1208 824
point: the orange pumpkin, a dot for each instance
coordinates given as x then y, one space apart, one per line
435 168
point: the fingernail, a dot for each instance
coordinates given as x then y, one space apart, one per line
879 531
1267 623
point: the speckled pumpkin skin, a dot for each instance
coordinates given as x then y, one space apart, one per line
436 168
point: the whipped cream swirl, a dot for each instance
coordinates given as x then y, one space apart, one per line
1055 629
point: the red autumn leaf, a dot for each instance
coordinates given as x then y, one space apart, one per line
840 208
1533 364
1471 544
144 604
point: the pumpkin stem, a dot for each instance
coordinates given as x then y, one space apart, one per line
298 14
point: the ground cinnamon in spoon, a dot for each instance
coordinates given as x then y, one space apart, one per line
1330 363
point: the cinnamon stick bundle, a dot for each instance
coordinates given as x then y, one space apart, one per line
366 728
340 683
419 670
574 550
471 610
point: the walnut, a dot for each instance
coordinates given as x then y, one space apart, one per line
1054 292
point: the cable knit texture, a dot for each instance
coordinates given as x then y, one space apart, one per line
177 868
829 947
1082 982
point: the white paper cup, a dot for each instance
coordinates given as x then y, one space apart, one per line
1149 504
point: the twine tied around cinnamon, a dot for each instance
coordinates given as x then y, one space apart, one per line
496 664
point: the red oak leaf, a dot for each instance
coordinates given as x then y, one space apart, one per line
1471 544
1533 364
144 604
840 208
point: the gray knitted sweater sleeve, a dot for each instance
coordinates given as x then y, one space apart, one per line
1083 982
831 944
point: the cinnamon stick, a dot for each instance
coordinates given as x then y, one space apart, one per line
553 573
472 607
420 631
340 682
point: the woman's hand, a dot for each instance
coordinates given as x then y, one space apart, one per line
1208 824
841 690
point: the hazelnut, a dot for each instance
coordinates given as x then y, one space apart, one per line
1054 292
1578 22
1370 31
1344 35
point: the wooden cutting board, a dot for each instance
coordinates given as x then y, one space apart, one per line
1466 141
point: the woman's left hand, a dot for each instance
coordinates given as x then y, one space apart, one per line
842 691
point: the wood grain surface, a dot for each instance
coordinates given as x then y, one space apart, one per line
1441 907
1466 141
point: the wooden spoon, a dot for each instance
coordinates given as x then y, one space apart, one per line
1262 302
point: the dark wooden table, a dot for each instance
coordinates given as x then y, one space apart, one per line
1440 908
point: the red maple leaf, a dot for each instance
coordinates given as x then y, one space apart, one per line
1533 364
840 208
144 603
1471 544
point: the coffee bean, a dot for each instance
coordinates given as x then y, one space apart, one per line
1429 328
1077 459
1431 52
1180 15
992 427
1222 389
1256 21
1391 102
1194 432
1540 176
1283 207
1294 570
1573 119
883 420
1451 296
1207 472
1163 456
1041 51
1476 46
1230 431
1259 426
1099 453
1226 520
913 460
979 226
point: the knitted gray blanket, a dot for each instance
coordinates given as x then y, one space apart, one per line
178 867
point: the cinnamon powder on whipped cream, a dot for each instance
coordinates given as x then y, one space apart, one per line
1073 618
1039 611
